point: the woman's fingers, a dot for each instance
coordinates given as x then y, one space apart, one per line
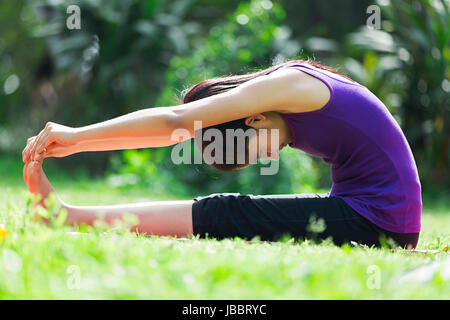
42 138
33 144
26 150
24 155
39 157
43 143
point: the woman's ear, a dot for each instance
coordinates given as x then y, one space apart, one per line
255 120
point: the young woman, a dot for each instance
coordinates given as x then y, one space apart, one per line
376 190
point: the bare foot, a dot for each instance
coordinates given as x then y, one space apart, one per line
37 181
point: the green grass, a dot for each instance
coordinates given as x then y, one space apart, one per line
41 262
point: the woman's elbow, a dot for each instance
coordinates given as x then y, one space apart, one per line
176 123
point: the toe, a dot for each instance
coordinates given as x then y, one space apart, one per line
25 172
35 167
30 169
33 176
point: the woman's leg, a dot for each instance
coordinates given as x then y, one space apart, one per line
165 218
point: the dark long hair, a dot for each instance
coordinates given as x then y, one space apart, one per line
210 87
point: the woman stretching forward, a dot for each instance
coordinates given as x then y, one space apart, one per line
376 189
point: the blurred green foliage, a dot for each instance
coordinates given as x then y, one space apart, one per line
113 65
133 54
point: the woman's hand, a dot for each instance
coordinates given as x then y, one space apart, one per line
54 140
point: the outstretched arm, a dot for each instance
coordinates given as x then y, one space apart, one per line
153 127
104 145
140 129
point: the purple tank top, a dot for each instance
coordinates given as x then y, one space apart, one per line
372 166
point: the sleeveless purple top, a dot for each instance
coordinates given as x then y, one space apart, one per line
372 166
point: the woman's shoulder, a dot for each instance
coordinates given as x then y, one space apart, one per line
302 92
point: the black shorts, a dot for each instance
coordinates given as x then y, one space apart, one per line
298 216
